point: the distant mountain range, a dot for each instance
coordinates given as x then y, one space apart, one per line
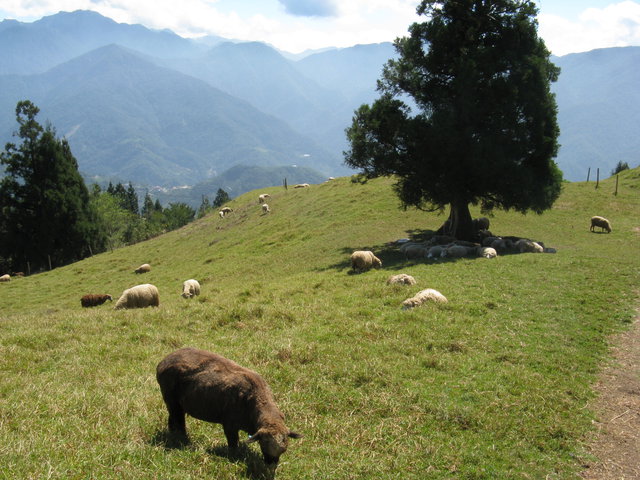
154 108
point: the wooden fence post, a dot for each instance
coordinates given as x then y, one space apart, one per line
588 173
616 192
597 177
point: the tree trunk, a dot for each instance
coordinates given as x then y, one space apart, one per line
461 225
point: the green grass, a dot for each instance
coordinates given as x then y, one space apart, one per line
492 385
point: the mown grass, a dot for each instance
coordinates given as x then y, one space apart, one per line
494 384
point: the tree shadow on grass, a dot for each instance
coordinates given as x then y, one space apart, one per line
392 258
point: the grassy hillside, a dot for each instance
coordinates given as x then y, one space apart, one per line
492 385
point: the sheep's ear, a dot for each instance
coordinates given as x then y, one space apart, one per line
294 435
255 437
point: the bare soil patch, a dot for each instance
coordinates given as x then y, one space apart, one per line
616 447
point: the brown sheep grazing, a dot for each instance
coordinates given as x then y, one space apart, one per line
214 389
601 222
144 268
93 300
362 260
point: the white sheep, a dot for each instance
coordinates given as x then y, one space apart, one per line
190 288
140 296
364 259
5 278
265 208
436 251
525 245
415 251
401 279
263 197
301 185
423 296
487 252
221 213
601 222
144 268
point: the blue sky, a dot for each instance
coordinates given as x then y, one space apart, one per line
296 25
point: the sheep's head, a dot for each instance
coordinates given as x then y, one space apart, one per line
377 263
273 444
410 303
187 293
109 297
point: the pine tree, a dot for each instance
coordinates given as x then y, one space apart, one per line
482 126
222 197
47 214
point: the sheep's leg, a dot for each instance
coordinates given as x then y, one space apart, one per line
176 418
231 433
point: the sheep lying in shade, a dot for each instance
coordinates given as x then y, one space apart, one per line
401 279
214 389
436 251
144 268
601 222
455 251
93 300
5 278
525 245
423 296
487 252
265 208
415 251
140 296
362 260
190 288
263 197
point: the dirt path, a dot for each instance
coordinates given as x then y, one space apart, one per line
617 443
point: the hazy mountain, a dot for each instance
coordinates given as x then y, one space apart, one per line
236 181
123 113
260 75
36 47
351 71
598 97
126 117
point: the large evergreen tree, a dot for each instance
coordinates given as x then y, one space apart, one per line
46 212
481 125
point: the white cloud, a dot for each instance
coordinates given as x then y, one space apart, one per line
616 25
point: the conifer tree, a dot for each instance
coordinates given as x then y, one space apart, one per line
47 214
222 197
481 125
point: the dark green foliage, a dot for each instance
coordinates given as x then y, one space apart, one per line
482 128
222 197
127 198
177 215
47 215
147 206
204 208
621 166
